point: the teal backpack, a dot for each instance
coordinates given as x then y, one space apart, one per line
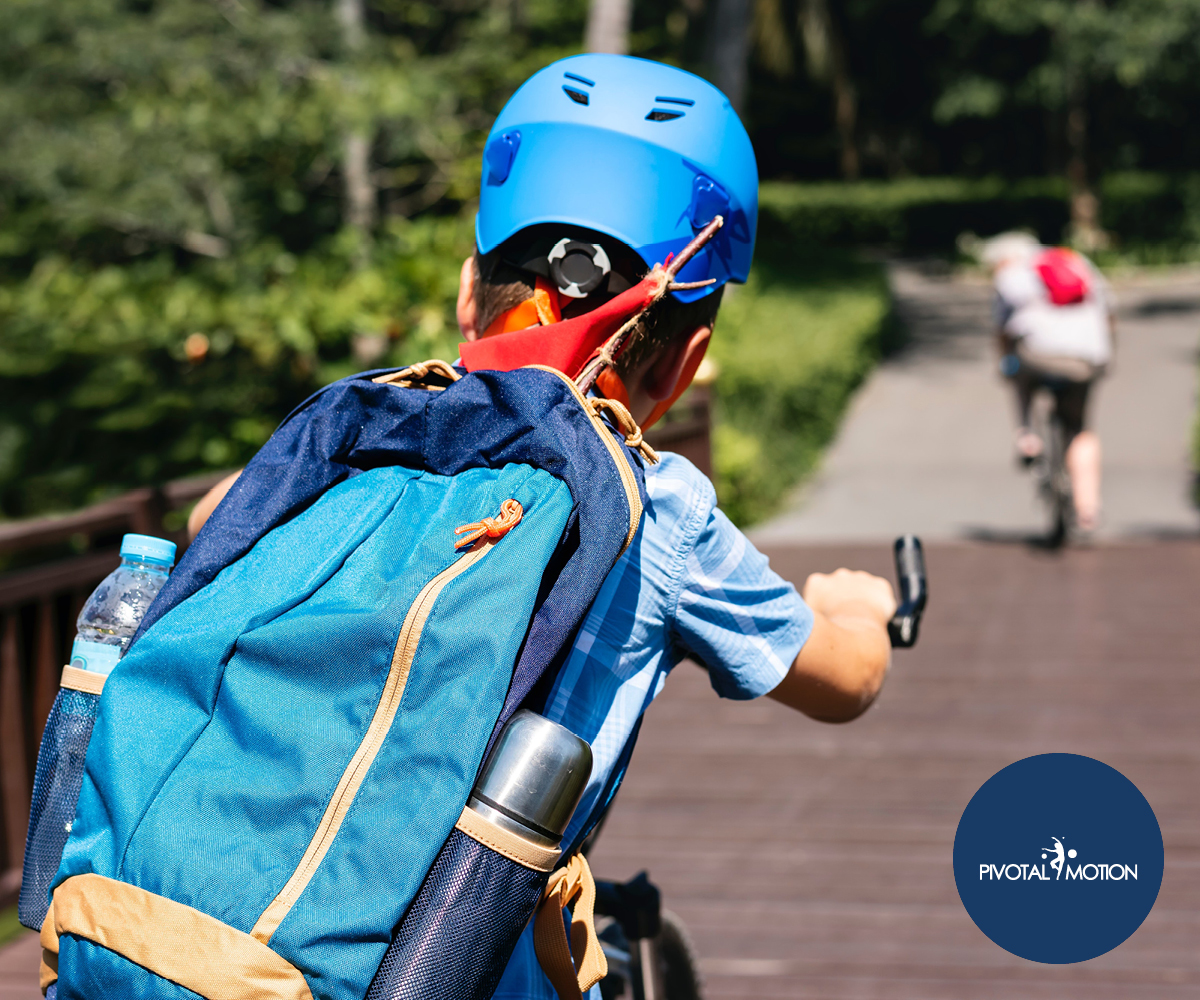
275 785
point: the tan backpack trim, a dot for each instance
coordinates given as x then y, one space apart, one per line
172 940
572 968
82 680
48 970
515 848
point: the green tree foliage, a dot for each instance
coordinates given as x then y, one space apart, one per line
179 268
175 273
982 86
1085 46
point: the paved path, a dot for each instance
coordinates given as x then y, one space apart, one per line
814 861
927 444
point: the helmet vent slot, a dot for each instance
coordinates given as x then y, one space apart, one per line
662 115
579 79
578 96
686 101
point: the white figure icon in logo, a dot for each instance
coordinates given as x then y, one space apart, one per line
1059 856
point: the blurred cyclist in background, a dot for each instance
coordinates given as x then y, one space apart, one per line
1054 323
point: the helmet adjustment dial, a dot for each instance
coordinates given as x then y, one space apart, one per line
578 268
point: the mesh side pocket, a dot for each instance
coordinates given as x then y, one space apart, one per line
455 940
56 785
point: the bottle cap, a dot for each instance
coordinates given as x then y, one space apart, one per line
148 547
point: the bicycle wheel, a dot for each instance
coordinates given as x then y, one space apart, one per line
677 965
677 956
1054 485
1062 498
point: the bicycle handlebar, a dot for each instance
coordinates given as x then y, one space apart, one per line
914 592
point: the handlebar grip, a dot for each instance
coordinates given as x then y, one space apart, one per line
914 592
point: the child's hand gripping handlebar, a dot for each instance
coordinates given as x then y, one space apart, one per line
910 573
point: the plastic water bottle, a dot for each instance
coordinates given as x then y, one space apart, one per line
113 613
107 623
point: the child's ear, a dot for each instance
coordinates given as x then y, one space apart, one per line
464 309
664 374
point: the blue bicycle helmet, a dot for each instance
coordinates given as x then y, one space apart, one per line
641 152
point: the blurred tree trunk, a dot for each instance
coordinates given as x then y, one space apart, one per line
1086 233
608 26
729 47
356 143
826 55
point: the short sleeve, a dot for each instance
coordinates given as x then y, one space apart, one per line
1002 312
736 615
1017 286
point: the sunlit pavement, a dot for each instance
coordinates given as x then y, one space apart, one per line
927 445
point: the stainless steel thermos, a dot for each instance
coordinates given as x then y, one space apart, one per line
533 779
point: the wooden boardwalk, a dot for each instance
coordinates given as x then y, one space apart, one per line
813 861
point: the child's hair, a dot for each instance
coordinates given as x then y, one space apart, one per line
500 286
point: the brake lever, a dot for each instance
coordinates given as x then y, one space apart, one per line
914 591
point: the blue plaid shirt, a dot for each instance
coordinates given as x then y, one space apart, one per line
691 584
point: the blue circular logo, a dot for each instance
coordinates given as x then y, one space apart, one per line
1058 858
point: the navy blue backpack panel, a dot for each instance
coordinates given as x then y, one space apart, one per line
289 743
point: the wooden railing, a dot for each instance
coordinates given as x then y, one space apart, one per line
38 607
40 603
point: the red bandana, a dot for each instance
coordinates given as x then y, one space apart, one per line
513 341
566 345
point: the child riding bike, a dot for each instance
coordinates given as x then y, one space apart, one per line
1055 329
598 168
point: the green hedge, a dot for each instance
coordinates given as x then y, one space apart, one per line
920 215
98 390
792 345
1150 216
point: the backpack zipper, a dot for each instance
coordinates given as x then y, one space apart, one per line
356 771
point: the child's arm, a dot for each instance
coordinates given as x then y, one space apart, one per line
841 667
208 503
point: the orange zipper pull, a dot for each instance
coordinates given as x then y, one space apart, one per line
511 513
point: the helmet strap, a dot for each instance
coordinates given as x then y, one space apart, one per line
543 308
612 386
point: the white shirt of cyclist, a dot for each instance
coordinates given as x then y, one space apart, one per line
1024 310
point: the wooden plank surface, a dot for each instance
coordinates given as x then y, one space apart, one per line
815 861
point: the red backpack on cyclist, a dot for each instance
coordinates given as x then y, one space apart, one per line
1065 275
